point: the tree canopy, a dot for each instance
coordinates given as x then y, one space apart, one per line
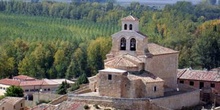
14 91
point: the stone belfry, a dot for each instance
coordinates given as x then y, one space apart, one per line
129 40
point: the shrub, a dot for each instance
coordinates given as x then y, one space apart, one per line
74 87
86 107
96 106
42 101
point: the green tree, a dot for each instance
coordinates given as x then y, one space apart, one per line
82 79
62 89
14 91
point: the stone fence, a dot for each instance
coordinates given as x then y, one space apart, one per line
119 103
180 100
59 100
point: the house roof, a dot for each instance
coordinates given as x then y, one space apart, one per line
23 77
125 60
32 83
7 81
201 75
129 18
11 100
23 80
145 77
156 49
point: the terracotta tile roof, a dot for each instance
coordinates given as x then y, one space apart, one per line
157 49
202 75
129 18
44 107
145 77
23 77
123 61
7 81
32 83
180 72
11 100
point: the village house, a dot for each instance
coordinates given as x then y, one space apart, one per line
31 85
207 81
200 78
138 73
12 103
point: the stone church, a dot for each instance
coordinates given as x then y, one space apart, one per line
135 68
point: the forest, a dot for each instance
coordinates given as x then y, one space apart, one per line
66 40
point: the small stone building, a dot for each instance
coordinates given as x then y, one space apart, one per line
12 103
135 68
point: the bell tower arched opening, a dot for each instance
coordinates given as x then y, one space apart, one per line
130 27
133 44
123 44
125 27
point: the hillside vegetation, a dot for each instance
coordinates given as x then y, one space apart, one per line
57 40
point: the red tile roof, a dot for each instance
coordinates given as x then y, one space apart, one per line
201 75
23 77
7 81
157 49
32 83
125 60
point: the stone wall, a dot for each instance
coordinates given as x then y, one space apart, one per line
44 96
154 89
118 103
165 67
113 86
179 101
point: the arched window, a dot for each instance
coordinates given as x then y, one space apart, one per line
125 27
123 44
130 27
133 44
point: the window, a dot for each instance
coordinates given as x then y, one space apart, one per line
14 107
21 105
191 83
0 87
212 85
109 77
155 88
201 85
45 89
130 27
26 90
181 81
133 44
48 89
125 27
123 44
3 108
